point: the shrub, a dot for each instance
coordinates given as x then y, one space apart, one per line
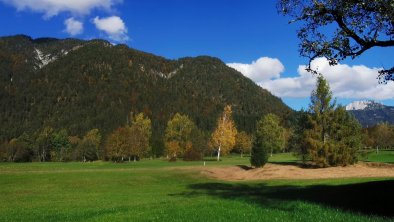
192 155
259 155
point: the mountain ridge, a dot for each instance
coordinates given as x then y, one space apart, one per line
364 105
97 85
370 113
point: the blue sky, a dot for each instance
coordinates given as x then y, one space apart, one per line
249 35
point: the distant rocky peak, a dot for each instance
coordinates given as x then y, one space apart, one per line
364 105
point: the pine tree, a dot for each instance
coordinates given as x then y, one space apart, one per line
259 152
333 136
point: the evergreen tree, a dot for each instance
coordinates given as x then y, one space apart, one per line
259 153
297 141
333 136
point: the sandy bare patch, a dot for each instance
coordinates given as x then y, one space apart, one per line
278 171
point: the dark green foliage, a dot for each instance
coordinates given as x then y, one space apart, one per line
259 154
96 85
86 151
342 29
296 142
269 137
333 135
61 146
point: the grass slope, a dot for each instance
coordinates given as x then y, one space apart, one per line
155 190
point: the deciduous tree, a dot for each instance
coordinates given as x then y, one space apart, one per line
44 144
223 138
118 143
61 145
140 133
93 138
338 29
178 135
271 133
243 142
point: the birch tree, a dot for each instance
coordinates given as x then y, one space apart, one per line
223 138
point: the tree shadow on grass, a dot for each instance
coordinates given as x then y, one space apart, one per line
370 198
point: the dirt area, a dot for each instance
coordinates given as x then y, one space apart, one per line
279 171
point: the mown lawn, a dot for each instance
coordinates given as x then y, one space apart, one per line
383 156
156 190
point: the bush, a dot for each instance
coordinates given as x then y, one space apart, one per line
259 155
192 155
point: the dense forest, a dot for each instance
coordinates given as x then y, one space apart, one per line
77 86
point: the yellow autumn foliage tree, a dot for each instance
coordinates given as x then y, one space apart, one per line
223 138
178 136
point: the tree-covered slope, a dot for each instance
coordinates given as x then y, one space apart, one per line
372 117
79 85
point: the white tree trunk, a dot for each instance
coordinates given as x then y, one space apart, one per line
218 154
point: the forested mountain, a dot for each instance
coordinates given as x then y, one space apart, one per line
80 85
370 113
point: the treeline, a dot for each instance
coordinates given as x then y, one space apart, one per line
325 135
380 136
51 145
183 139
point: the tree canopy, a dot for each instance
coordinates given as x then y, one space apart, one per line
178 135
271 133
359 26
269 137
223 138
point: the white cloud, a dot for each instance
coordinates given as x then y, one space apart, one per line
113 26
347 82
51 8
73 26
351 82
263 69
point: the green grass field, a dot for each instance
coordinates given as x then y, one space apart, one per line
384 156
156 190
